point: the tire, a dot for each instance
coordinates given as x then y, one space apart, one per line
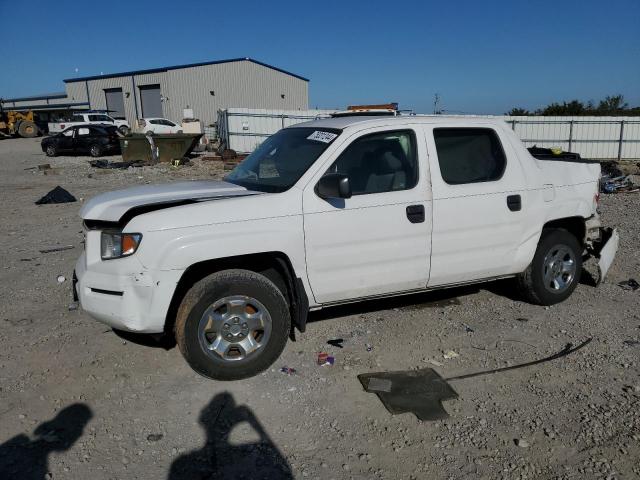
555 269
51 151
27 129
95 150
124 130
221 303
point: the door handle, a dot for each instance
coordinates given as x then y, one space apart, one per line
415 213
514 202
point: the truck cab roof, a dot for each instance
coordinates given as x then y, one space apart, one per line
344 122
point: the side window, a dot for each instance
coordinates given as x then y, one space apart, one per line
155 122
83 131
380 162
469 155
68 132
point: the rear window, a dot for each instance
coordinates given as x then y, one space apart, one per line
469 155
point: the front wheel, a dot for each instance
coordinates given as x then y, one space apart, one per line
232 324
555 270
51 151
124 130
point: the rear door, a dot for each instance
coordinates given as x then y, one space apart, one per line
478 209
378 241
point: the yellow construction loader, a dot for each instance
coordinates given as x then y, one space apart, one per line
14 123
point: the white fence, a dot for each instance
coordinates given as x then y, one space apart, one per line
243 129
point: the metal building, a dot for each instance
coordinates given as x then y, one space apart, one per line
177 91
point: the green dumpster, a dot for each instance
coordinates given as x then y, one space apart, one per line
168 146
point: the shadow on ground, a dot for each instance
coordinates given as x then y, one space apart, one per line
219 458
28 458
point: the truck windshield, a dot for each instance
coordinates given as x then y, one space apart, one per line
279 162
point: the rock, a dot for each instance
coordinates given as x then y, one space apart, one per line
521 442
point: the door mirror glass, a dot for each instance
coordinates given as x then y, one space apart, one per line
334 185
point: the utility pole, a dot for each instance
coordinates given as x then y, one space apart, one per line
436 101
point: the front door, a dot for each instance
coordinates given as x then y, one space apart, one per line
65 142
378 241
479 204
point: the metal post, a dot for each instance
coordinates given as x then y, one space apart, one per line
513 125
570 133
621 140
282 120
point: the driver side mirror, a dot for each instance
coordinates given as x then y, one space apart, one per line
334 185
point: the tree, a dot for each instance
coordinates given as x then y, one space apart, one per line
611 105
517 112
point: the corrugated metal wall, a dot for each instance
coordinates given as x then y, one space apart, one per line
591 137
246 128
242 83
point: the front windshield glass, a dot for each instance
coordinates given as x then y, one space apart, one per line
278 163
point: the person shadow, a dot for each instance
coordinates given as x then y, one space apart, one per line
28 459
219 458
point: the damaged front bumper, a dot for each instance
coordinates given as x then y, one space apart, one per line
602 244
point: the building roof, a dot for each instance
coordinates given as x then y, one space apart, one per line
375 121
44 96
177 67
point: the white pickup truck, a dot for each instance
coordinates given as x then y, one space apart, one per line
90 118
334 211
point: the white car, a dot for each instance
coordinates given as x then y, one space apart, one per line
331 212
158 126
90 118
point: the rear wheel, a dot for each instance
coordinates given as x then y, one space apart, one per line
232 324
51 151
555 270
95 150
124 130
27 129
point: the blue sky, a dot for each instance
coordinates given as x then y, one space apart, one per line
481 56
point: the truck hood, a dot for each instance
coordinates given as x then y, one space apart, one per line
113 206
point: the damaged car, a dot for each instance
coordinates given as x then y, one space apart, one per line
335 211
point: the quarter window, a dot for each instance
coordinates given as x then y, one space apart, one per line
469 155
380 162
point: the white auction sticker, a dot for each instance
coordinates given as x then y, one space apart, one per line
321 136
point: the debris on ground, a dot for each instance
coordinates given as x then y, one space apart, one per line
631 343
61 279
420 392
521 442
106 164
337 342
57 249
325 359
73 306
435 362
154 437
288 370
368 347
57 195
621 184
467 328
630 284
448 355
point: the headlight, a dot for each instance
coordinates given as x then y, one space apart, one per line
117 244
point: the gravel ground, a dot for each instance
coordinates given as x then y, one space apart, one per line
79 401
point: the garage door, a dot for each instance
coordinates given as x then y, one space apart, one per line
151 101
115 102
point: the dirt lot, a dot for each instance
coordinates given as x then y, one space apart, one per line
78 401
